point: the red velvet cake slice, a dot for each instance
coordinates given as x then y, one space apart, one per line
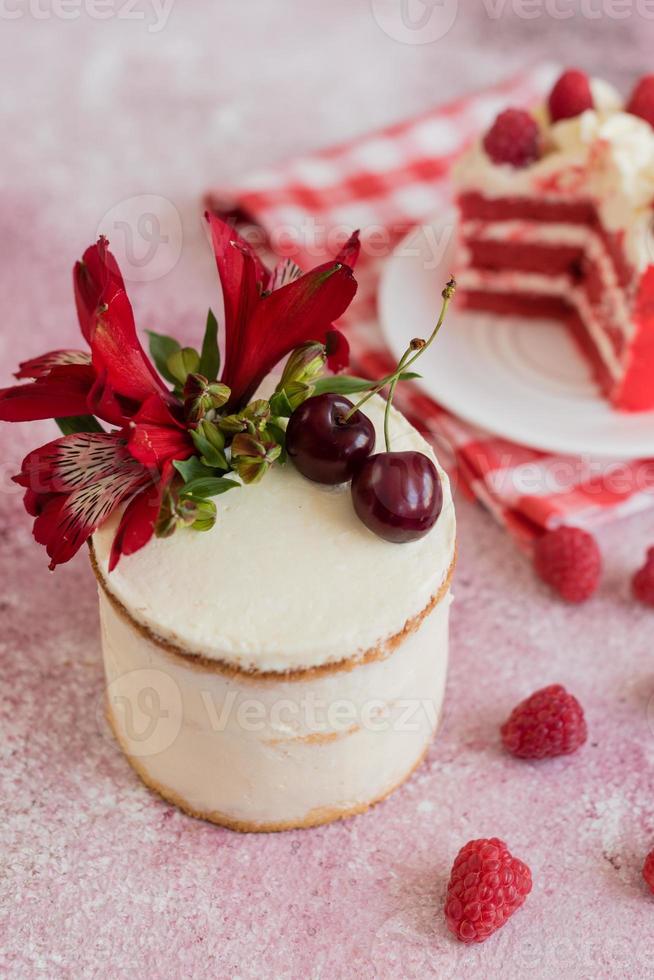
556 221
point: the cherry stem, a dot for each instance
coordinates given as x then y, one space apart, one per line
411 354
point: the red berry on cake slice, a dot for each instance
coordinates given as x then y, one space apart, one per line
549 723
569 561
514 138
641 102
642 584
570 96
487 885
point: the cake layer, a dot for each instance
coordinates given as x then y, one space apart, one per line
534 305
576 259
288 578
274 753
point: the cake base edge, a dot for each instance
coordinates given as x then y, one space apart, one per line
316 818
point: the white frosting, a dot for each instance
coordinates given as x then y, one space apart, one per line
289 577
260 754
605 154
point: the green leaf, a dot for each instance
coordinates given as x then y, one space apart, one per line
161 347
210 354
208 486
79 423
181 363
344 384
191 469
341 384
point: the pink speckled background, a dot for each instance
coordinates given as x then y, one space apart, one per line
97 877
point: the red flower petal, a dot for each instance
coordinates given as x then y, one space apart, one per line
139 518
107 322
349 254
303 310
61 393
96 280
117 354
74 484
153 445
242 278
156 436
39 367
338 351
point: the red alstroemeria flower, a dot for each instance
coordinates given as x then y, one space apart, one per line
268 314
75 483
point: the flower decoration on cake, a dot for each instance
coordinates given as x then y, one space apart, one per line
158 439
161 450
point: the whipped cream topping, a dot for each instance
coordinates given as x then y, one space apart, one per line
605 155
289 577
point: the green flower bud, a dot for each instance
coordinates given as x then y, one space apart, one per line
231 423
303 365
175 513
257 412
187 511
211 432
200 396
205 515
166 523
251 457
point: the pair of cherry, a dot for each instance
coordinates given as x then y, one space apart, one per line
398 495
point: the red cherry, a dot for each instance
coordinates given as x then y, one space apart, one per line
323 445
398 495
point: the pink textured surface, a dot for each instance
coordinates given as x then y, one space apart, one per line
99 878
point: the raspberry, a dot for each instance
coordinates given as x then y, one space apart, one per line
570 96
569 560
486 887
641 102
513 138
642 584
549 723
648 870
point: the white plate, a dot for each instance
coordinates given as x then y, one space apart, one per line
521 379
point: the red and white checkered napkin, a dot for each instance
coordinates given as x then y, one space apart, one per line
384 184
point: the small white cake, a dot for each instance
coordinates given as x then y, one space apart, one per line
286 668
